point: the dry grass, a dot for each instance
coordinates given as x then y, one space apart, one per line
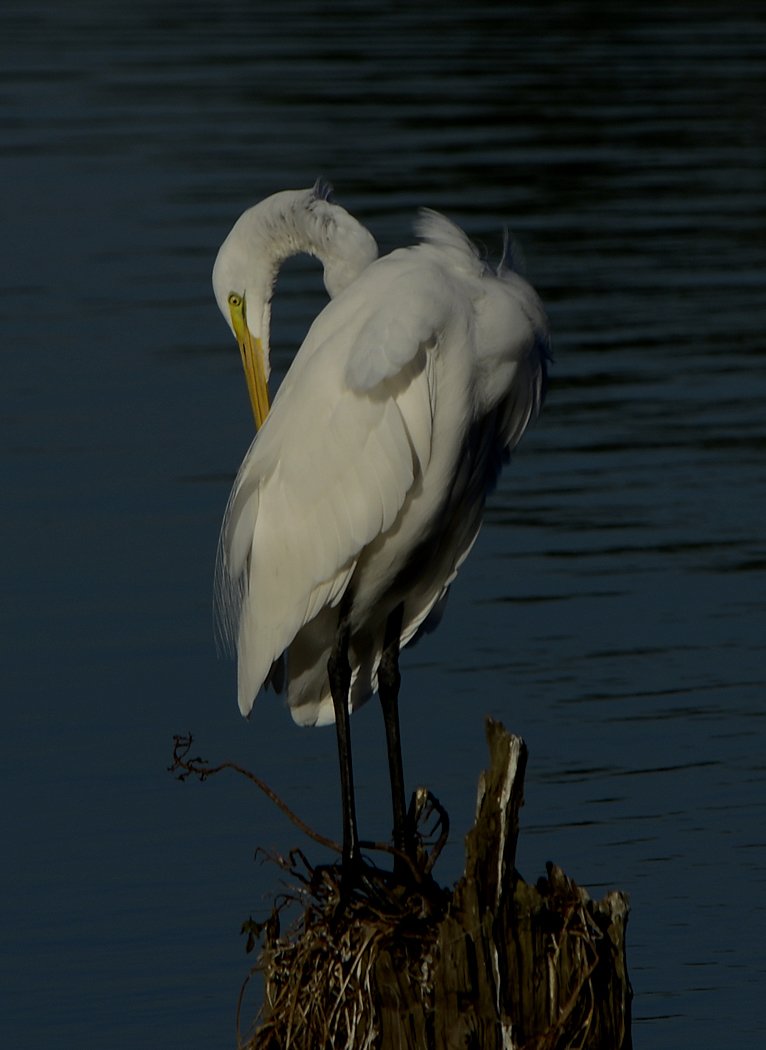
384 960
320 976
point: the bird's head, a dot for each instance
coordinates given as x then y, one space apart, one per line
248 261
243 287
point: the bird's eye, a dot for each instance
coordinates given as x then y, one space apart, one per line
234 299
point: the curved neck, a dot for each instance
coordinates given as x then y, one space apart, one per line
288 223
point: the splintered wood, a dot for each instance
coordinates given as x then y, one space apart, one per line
494 964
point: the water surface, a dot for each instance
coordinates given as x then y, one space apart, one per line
612 611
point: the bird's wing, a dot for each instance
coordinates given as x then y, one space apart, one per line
513 348
348 434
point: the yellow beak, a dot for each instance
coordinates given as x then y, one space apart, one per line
253 361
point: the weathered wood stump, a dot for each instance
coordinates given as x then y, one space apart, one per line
495 963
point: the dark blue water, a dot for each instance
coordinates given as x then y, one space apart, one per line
613 610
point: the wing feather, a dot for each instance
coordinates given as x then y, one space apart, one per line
330 470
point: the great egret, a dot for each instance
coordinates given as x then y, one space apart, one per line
363 490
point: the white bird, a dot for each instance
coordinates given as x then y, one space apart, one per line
364 488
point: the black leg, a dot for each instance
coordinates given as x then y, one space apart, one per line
389 680
339 672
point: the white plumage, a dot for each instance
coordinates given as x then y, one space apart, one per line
366 484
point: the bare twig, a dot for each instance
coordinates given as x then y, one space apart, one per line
183 767
200 768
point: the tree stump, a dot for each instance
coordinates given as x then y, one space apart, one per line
494 964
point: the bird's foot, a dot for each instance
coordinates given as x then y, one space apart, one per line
351 875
